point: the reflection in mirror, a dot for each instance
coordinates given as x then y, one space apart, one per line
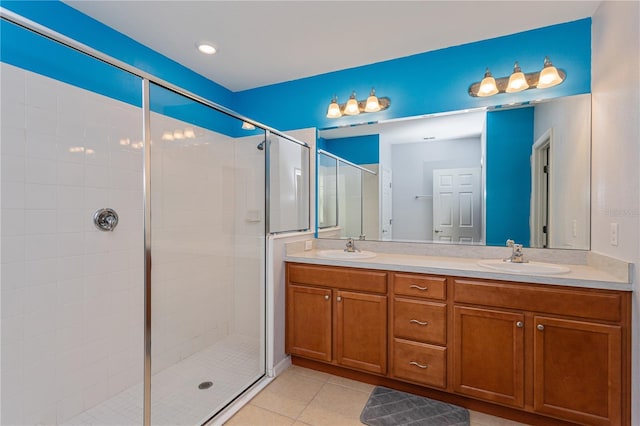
344 191
327 191
478 177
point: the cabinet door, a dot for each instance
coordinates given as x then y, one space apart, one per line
361 331
488 354
309 322
577 370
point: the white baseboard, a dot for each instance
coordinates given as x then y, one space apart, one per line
281 366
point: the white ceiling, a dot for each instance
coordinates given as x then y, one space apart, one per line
266 42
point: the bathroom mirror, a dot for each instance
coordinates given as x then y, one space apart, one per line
479 177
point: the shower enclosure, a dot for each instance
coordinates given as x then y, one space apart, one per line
341 201
133 224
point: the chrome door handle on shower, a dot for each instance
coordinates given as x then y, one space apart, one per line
105 219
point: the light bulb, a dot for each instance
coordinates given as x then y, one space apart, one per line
372 105
517 80
488 85
207 49
549 76
334 109
352 105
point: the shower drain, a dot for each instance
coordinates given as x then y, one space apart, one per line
205 385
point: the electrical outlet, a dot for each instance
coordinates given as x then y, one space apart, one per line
613 234
308 244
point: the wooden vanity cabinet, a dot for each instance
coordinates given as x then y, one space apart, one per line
338 315
561 346
540 353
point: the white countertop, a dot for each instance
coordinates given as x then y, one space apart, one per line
579 276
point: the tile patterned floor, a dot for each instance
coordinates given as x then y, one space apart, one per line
300 396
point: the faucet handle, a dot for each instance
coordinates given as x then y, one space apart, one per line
510 243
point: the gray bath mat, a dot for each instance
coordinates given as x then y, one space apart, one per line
388 407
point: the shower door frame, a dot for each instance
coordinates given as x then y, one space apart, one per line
147 78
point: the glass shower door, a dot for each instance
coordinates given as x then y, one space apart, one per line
208 258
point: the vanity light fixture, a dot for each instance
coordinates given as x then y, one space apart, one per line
248 126
518 81
355 107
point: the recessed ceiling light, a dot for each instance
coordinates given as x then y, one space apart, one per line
207 49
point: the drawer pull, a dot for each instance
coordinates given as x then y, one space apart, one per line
418 287
417 364
415 321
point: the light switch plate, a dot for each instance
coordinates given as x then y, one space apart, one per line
308 244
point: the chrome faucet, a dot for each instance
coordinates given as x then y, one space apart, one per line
517 255
351 247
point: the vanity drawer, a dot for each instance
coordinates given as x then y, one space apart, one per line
585 303
419 320
420 363
417 285
337 277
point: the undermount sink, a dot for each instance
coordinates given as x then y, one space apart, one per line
524 268
341 254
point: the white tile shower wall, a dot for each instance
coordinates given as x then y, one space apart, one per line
193 246
71 295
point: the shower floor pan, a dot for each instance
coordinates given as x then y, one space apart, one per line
231 364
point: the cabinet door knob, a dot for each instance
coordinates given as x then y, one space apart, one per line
339 298
418 287
540 327
519 324
415 321
326 297
417 364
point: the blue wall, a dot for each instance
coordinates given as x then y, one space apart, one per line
68 21
32 52
425 83
508 183
430 82
358 150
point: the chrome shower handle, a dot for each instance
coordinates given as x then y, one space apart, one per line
105 219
